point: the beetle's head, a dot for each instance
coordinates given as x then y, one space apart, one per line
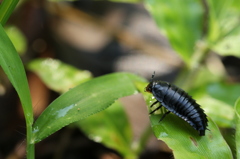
149 86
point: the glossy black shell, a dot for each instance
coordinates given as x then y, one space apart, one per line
180 103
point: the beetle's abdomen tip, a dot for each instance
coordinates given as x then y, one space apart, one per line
202 132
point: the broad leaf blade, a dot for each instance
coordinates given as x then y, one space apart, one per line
113 130
82 101
58 76
185 141
13 67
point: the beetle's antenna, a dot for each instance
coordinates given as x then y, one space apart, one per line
153 76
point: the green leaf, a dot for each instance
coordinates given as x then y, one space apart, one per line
237 135
6 9
229 45
185 141
13 67
225 92
221 113
180 22
223 19
58 76
82 101
224 26
113 130
218 100
17 38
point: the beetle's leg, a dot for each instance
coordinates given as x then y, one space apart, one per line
156 109
164 115
153 104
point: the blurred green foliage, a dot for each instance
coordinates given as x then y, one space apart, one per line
185 24
58 76
180 22
17 38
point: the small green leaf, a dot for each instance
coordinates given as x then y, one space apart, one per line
82 101
58 76
13 67
113 130
237 135
180 22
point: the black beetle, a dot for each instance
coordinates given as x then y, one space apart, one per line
178 102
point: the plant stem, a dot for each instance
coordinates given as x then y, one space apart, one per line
6 9
30 143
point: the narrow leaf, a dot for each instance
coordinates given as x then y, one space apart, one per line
82 101
6 9
13 67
